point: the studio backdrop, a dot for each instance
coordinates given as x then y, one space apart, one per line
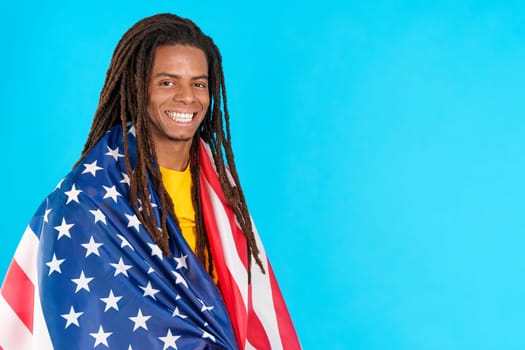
380 144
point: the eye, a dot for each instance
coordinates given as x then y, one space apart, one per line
201 85
166 83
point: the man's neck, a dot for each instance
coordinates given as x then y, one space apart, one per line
173 155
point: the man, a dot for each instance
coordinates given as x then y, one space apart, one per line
148 243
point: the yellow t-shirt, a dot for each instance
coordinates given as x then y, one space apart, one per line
178 185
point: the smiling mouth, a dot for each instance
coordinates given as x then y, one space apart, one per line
180 117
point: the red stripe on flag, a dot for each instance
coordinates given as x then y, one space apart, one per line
209 171
18 292
213 180
289 337
229 289
256 333
247 327
238 237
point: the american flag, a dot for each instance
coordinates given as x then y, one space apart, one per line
87 275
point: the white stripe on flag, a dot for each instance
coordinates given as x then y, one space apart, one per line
249 346
14 335
26 254
41 337
262 297
13 332
233 261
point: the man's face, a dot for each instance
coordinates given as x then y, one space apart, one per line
178 95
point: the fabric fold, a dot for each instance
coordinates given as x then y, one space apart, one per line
102 281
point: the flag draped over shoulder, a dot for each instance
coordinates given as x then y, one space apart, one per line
86 274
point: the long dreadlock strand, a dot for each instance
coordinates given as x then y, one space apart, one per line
203 250
231 186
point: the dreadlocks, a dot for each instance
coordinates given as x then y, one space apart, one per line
124 99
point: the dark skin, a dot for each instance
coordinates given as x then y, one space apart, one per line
178 99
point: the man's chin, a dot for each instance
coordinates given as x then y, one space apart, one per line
180 139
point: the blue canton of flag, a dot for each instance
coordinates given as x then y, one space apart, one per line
104 283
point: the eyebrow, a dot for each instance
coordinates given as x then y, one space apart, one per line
176 76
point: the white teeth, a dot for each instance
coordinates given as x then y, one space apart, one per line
180 117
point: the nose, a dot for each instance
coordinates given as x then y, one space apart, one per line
185 94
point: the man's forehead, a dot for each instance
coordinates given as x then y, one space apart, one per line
173 57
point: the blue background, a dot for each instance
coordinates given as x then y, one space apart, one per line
380 145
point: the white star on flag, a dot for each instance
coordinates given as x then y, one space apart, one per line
54 265
149 291
113 153
72 317
92 247
111 301
125 179
46 215
153 205
133 221
121 268
111 192
140 321
91 168
72 194
204 307
169 340
181 262
179 279
63 229
82 282
124 242
59 184
132 131
176 313
99 216
155 250
101 337
207 335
